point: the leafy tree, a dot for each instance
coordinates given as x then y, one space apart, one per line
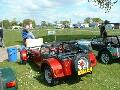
43 23
105 4
65 23
6 24
13 22
50 24
0 23
97 20
87 20
55 22
33 23
78 23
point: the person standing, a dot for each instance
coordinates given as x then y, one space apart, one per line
103 32
1 37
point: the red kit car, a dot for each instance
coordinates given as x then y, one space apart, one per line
58 60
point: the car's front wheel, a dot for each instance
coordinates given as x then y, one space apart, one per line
48 76
105 57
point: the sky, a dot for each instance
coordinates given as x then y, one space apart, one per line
55 10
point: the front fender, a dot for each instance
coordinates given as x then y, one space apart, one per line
55 66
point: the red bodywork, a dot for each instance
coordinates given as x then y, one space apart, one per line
67 67
60 68
92 59
23 55
55 65
35 56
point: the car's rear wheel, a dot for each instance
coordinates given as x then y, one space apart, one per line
24 62
105 57
48 76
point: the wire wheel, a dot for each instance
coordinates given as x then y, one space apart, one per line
48 76
105 57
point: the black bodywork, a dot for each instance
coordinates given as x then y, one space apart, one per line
98 43
110 47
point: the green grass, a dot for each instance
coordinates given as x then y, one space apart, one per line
14 37
104 77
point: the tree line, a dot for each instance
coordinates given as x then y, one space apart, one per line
7 24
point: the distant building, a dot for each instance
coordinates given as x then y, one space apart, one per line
59 26
85 25
116 25
94 24
80 25
109 26
71 26
112 26
16 27
75 26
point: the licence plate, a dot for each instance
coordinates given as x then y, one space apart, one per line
84 71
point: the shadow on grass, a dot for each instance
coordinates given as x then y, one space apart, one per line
67 80
35 67
116 61
39 77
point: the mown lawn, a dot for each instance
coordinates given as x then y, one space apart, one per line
13 37
104 77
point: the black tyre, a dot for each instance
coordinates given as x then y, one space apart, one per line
48 76
24 62
105 57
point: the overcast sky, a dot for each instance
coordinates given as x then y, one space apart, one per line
52 10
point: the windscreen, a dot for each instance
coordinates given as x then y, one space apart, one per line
84 47
112 40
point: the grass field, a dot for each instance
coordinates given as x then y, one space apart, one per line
104 77
14 37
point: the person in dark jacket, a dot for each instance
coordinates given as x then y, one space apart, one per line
1 37
103 32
